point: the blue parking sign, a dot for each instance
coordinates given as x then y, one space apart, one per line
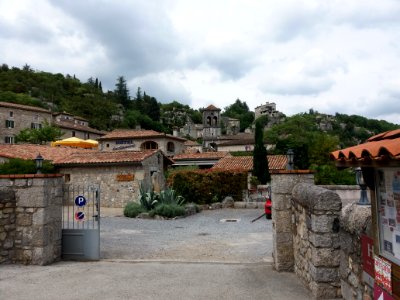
80 201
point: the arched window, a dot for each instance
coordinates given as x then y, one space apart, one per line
215 121
170 147
209 121
149 145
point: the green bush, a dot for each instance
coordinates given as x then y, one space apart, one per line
21 166
169 196
168 210
133 209
205 186
148 199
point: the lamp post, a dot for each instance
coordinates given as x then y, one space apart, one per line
290 159
360 181
39 163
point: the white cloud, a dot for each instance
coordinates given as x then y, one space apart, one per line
333 56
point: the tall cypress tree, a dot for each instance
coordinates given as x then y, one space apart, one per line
260 162
122 92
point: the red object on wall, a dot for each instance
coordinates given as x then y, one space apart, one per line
381 294
267 208
367 246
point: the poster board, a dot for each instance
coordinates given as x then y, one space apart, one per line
388 206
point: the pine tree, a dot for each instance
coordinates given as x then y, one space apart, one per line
121 92
260 161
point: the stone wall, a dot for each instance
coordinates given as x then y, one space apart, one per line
316 242
282 184
30 218
355 222
347 193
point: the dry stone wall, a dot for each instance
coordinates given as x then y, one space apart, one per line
316 239
30 218
355 222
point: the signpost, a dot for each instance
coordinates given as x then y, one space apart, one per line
80 201
79 216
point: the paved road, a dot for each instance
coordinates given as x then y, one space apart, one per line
214 235
199 257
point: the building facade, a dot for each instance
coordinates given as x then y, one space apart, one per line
211 127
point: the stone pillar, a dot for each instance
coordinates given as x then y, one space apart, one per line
282 184
31 211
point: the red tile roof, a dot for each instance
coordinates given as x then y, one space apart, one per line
29 151
73 126
275 162
24 107
129 133
383 145
202 155
211 107
103 157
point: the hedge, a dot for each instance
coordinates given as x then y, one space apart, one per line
206 186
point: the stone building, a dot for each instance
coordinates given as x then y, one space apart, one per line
269 109
17 117
140 140
231 126
119 173
211 127
73 126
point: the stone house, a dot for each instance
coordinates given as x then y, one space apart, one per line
119 173
74 126
16 117
140 140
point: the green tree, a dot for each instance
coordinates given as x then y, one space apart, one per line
47 133
122 92
240 110
260 162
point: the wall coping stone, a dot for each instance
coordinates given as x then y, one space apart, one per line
285 172
316 198
341 187
356 218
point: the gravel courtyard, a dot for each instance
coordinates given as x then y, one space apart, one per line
225 235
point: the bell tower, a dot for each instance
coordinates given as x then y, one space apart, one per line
211 127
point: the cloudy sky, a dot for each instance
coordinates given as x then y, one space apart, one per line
332 56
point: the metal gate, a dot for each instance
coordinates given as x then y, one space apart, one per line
81 222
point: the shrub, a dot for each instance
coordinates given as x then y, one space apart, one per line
20 166
148 199
169 196
204 186
168 210
133 209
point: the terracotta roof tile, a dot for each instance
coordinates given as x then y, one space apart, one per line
202 155
211 107
73 126
24 107
29 151
103 157
383 144
129 133
275 162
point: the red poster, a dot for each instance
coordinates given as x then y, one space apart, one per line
383 273
381 294
367 245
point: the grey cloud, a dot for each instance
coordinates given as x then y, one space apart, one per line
137 37
303 87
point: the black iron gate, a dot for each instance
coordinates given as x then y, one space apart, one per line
81 222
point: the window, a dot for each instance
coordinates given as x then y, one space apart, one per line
11 114
67 177
170 147
36 125
149 145
9 140
73 133
9 124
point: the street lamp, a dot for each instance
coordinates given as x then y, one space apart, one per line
361 182
290 159
39 163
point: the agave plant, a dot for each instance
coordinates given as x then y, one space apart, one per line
148 199
169 196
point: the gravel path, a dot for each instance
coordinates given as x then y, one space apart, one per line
203 237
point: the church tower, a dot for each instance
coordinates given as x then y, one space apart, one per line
211 127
